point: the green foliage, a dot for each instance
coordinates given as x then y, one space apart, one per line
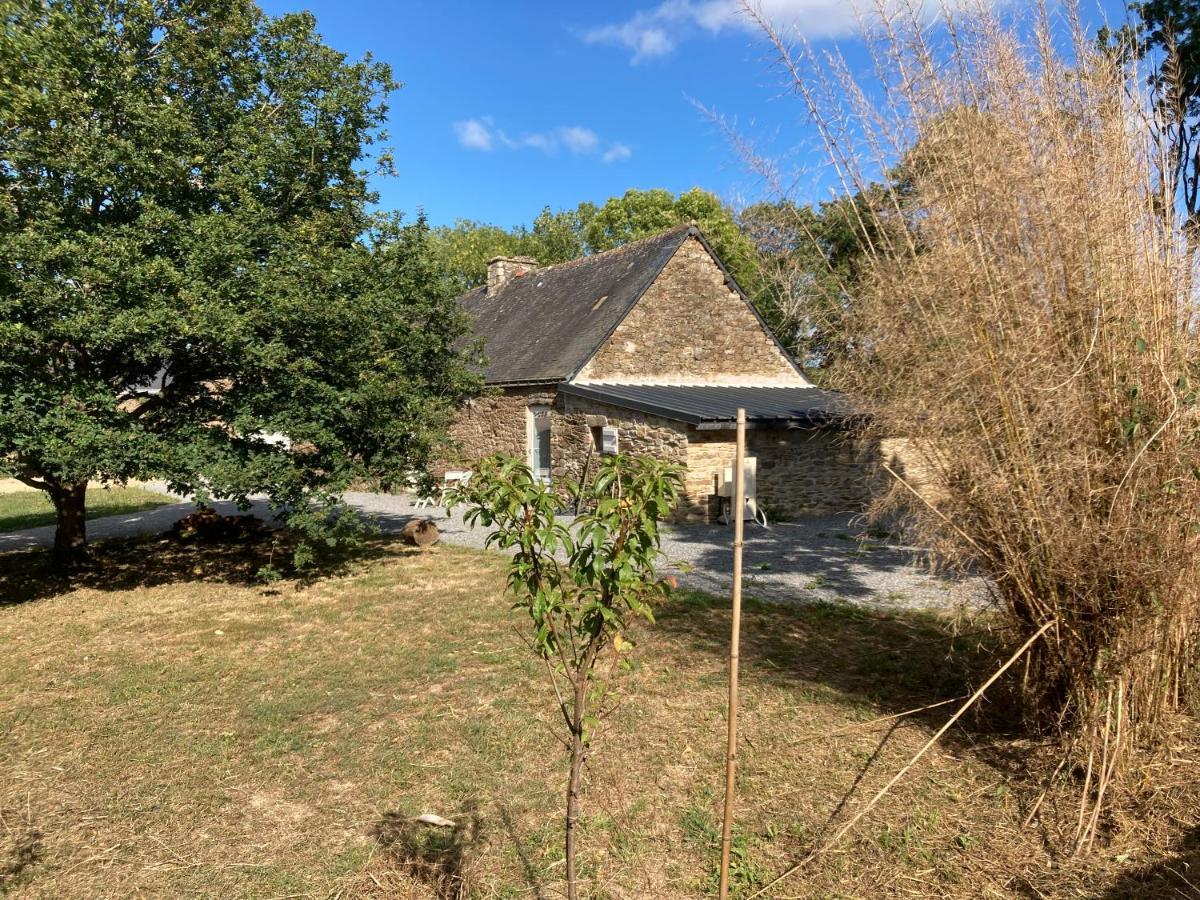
463 250
639 214
184 201
808 258
583 584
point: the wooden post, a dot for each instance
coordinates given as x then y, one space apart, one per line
739 506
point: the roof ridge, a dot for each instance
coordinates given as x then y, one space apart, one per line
579 260
613 251
549 323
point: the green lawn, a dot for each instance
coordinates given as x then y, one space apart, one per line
169 727
31 509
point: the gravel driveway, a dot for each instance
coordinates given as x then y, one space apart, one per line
816 559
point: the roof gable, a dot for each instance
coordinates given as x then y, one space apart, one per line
692 325
546 325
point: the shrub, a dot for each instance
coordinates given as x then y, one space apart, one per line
582 583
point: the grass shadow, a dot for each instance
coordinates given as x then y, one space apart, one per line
1176 876
20 850
528 870
893 660
133 563
440 857
887 669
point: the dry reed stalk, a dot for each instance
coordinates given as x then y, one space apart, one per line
1026 318
913 760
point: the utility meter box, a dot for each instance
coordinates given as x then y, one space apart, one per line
726 487
610 443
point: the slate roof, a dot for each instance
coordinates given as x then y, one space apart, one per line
712 406
545 325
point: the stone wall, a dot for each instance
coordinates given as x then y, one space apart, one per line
812 471
800 472
708 455
691 327
641 434
495 423
499 423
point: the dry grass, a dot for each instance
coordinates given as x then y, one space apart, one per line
170 728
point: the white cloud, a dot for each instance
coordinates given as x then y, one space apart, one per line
579 139
482 134
658 30
643 34
474 134
617 153
538 141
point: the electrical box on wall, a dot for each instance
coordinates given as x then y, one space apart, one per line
610 443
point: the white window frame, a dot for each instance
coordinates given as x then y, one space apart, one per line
538 419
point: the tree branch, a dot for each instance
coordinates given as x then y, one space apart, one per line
33 482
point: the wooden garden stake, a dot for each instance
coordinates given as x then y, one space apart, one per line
739 505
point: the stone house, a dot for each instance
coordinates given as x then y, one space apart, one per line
655 346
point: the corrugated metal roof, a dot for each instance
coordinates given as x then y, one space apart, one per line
716 406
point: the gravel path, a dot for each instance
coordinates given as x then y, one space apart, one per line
792 562
816 559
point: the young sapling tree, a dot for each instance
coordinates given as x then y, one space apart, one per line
583 582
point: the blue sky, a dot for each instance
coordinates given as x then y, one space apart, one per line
511 106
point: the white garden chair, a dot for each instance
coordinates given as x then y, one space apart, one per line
452 478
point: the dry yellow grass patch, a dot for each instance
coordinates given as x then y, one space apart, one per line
165 734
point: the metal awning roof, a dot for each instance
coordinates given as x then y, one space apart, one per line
711 407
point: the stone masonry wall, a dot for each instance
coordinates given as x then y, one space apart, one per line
691 327
800 472
496 423
499 424
640 435
807 472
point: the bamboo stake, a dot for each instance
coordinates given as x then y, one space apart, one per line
739 524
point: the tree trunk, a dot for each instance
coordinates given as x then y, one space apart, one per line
70 535
578 752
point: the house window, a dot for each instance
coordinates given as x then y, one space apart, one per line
539 441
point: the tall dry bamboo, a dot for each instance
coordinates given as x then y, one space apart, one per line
1028 322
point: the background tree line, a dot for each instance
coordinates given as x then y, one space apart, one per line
796 283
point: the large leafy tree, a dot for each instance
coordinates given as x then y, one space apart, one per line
805 257
809 261
638 214
191 286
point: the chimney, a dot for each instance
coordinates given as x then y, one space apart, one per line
502 269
